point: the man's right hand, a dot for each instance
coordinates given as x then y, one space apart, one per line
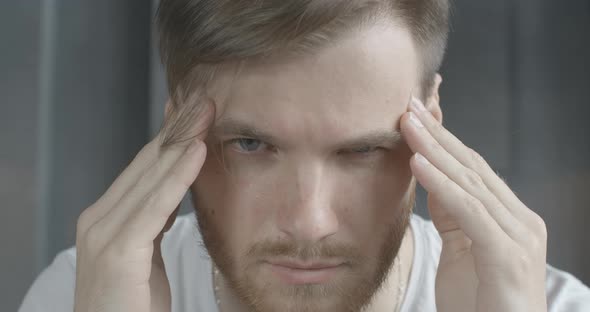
119 264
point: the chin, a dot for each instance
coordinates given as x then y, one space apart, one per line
290 305
347 290
301 299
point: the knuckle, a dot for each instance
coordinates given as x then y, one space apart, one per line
434 147
154 170
150 205
151 200
438 127
539 225
513 269
536 245
445 185
115 260
519 268
108 259
474 206
84 221
472 179
149 174
539 229
513 264
476 161
91 239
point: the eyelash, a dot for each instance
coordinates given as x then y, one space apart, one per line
361 152
366 150
236 142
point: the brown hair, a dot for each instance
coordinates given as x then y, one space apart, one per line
200 37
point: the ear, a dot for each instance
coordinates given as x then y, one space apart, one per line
433 99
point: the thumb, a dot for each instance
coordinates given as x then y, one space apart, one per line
442 219
160 294
453 238
157 259
161 298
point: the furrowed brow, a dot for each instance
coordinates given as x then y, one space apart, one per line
234 127
388 139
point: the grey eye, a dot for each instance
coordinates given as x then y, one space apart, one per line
366 149
248 145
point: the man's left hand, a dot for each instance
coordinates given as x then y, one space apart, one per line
493 254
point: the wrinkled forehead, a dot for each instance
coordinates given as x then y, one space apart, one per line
362 81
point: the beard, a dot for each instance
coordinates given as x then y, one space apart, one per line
352 290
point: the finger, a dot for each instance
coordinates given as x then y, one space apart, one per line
145 181
453 238
157 255
125 181
149 219
148 156
421 141
171 220
472 160
469 213
149 179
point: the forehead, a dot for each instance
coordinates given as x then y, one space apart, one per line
362 81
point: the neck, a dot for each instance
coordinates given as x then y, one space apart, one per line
387 298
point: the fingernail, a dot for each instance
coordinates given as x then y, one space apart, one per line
421 159
417 104
415 121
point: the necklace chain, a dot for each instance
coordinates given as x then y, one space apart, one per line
398 270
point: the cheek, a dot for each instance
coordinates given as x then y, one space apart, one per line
243 196
236 196
376 197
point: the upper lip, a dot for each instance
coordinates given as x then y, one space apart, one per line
306 265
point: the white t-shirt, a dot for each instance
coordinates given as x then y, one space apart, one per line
189 272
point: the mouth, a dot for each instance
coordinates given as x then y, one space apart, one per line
294 272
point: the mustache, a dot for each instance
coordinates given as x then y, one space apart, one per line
304 252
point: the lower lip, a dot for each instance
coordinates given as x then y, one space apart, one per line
304 276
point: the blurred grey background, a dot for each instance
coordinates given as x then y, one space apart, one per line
82 89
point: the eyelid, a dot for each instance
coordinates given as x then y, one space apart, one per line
237 139
359 150
230 140
365 149
263 145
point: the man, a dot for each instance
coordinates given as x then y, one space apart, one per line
301 129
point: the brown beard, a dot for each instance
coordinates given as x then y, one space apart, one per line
351 297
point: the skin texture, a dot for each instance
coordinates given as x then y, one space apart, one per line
119 264
494 247
310 194
306 195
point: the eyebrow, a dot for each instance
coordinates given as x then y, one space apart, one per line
230 126
386 138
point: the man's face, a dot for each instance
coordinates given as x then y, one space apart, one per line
306 191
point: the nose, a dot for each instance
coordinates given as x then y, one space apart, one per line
307 214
